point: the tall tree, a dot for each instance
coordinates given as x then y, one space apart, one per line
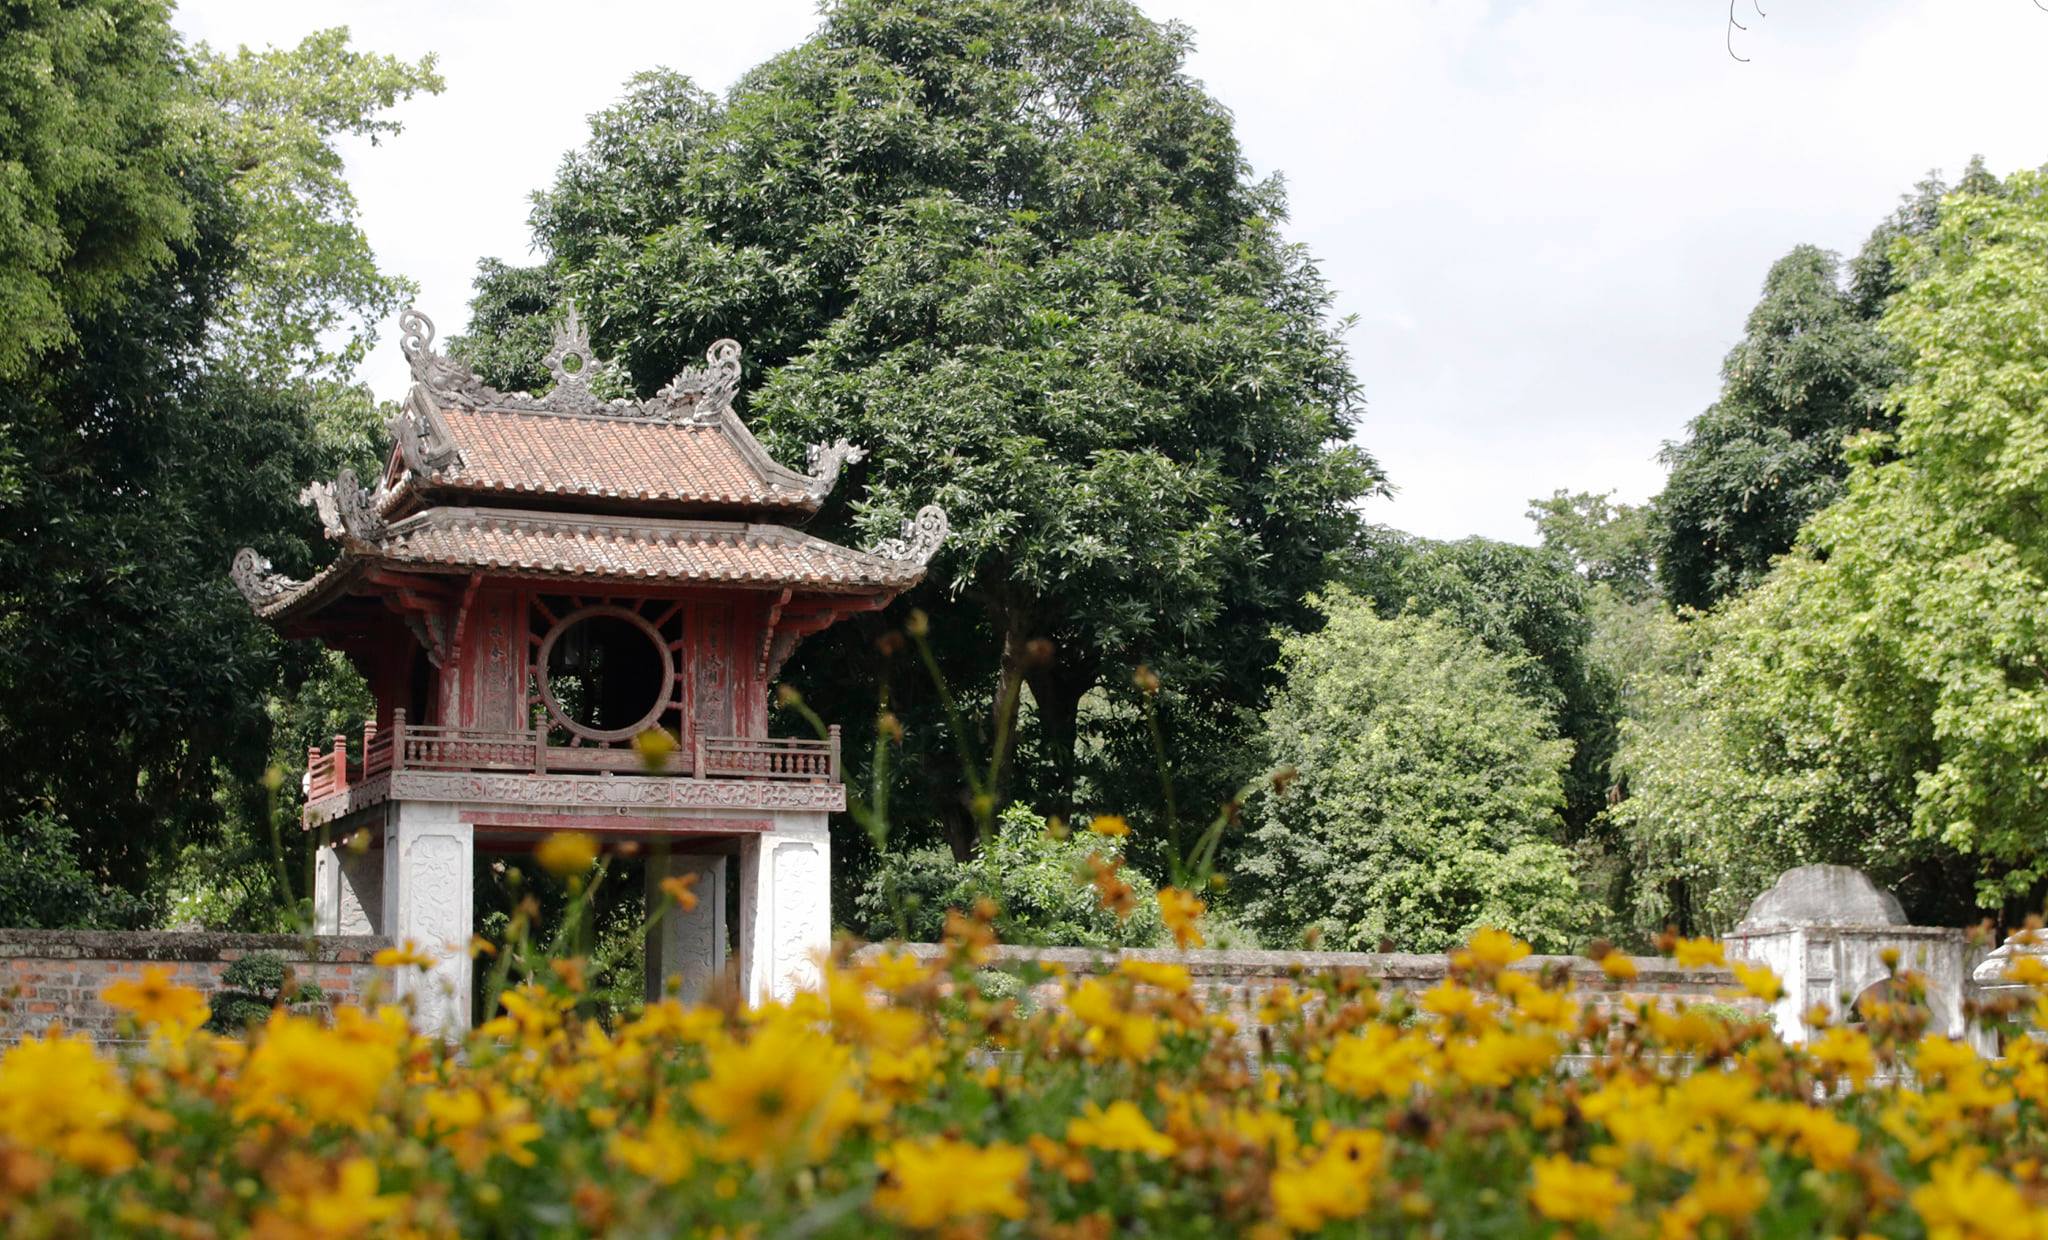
91 159
1427 792
1611 544
1811 371
1883 696
1014 250
174 421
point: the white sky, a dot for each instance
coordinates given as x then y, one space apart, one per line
1548 217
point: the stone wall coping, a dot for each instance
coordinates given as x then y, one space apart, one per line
180 945
1394 966
1852 932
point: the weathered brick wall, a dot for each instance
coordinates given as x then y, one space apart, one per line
56 976
1236 979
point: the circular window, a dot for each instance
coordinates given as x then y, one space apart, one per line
606 675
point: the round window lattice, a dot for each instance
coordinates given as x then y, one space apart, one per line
664 681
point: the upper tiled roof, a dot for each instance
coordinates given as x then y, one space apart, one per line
681 451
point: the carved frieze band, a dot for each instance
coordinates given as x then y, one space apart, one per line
626 791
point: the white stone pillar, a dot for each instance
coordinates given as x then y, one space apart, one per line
687 945
326 891
785 905
429 899
360 907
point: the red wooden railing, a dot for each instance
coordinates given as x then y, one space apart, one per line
415 747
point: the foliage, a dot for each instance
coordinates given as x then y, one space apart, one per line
1014 251
307 292
1610 543
874 1107
43 887
254 987
1428 791
149 696
1810 372
1029 875
1881 696
1525 604
93 154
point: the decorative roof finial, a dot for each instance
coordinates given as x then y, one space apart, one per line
824 462
252 576
571 363
704 394
921 537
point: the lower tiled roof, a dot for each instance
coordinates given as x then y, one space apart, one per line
642 549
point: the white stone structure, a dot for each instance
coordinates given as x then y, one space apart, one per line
1825 929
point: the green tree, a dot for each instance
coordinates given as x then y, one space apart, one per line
1610 543
95 137
1427 796
1015 251
1810 371
307 293
1526 604
1883 696
141 700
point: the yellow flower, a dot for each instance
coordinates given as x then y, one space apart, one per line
1490 951
1183 914
1698 953
406 953
1495 1058
654 745
347 1204
1122 1127
1617 967
661 1152
158 1001
784 1091
678 889
59 1097
1337 1183
330 1076
1844 1052
566 853
1962 1201
894 972
1111 825
1112 1030
1449 1000
1376 1061
931 1181
1171 978
1574 1192
1759 981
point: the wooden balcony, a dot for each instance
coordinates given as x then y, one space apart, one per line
405 747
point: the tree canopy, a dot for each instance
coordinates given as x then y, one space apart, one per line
1882 697
1427 792
1015 251
173 418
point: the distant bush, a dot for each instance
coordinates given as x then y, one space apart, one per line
254 987
1028 873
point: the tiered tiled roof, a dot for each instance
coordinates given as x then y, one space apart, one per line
585 489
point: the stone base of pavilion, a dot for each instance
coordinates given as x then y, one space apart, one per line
415 882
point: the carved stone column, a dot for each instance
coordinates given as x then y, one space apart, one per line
689 946
785 905
428 899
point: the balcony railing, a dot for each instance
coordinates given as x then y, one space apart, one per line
414 747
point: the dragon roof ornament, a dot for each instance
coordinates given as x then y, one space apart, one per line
823 462
694 395
252 575
347 508
921 537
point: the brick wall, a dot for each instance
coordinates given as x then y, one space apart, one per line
1236 979
56 975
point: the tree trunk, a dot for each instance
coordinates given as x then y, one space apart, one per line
1057 692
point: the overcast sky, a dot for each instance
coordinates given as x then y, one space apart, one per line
1549 218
